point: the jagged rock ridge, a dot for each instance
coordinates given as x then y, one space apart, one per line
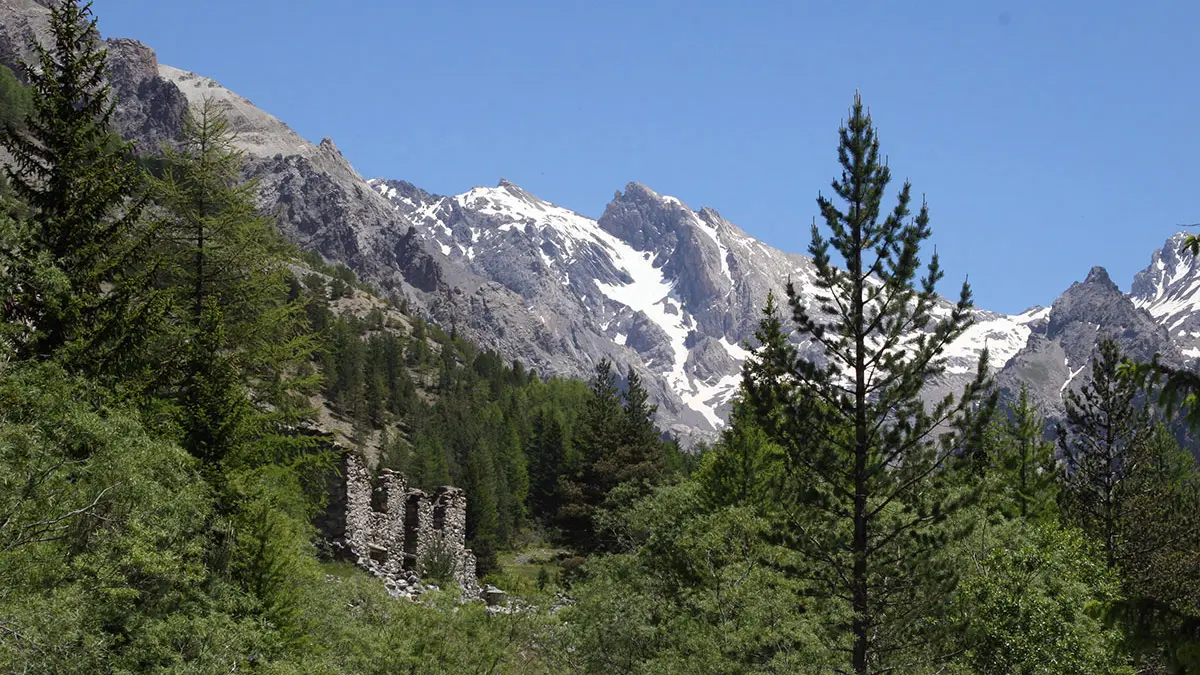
679 289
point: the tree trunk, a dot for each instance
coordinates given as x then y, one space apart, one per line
861 604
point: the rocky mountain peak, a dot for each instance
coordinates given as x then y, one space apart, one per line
644 218
1096 302
521 193
710 215
1057 353
1172 271
149 109
1099 276
654 285
1169 289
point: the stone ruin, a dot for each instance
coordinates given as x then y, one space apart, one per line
397 533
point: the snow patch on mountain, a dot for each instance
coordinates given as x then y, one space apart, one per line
630 297
1002 335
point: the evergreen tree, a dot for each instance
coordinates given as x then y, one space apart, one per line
600 432
1160 566
744 468
1027 473
70 274
854 423
1104 442
483 508
227 277
430 467
215 407
547 456
640 455
418 350
1133 489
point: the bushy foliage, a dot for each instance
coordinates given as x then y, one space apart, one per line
703 591
1034 599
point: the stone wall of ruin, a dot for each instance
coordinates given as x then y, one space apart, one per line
388 529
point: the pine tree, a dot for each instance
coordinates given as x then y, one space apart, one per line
1028 474
640 455
547 456
215 407
854 422
71 275
1135 491
1160 560
1104 442
744 467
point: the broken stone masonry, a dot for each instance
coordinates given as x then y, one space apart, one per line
400 534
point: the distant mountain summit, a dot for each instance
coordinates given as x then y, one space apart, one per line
1169 289
674 292
1158 316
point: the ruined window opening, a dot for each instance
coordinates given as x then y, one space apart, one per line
378 554
439 516
379 500
411 506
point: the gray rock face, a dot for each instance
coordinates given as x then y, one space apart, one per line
1169 288
652 285
149 108
1058 355
21 20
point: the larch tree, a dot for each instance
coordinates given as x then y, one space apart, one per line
866 450
240 336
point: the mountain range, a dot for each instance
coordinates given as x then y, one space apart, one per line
672 292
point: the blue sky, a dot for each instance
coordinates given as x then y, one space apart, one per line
1047 137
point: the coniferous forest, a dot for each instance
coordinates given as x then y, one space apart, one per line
177 381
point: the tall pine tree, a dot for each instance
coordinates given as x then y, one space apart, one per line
583 489
547 456
1026 472
854 422
1105 442
640 456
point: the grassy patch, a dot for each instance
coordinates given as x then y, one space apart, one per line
529 573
